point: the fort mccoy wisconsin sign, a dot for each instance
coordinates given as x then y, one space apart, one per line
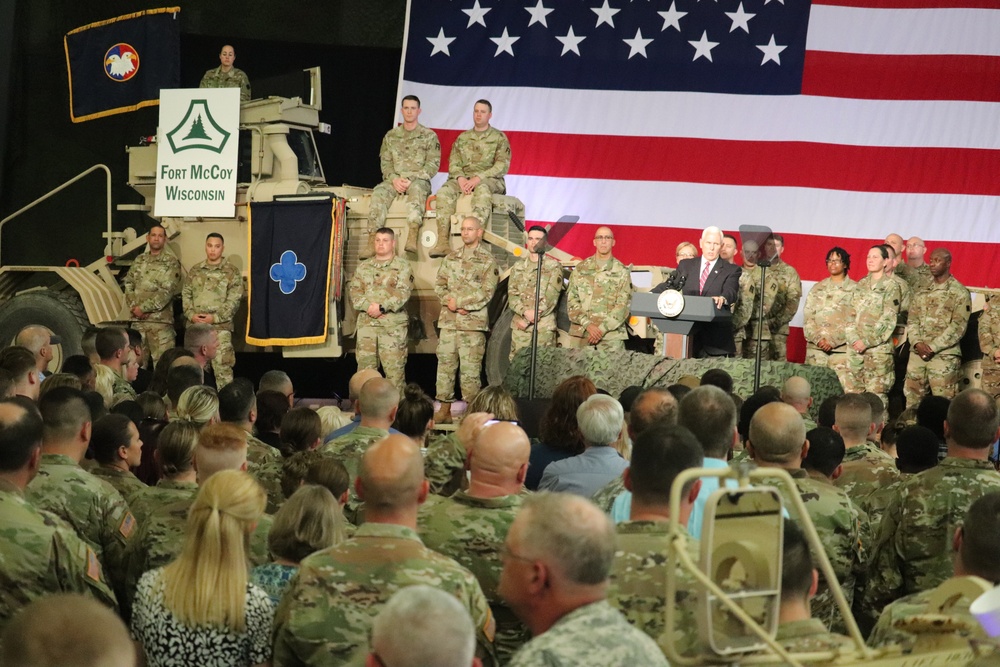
197 152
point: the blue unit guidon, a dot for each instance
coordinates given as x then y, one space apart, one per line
291 255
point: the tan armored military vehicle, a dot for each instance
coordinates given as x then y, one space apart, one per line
279 157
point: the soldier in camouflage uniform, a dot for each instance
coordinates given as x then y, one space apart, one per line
113 350
639 573
211 295
870 323
827 309
989 343
238 406
466 281
521 294
326 613
971 557
798 631
937 321
470 526
914 270
410 156
379 292
789 293
599 297
479 160
227 76
867 470
778 440
95 510
557 559
40 554
913 540
746 304
150 287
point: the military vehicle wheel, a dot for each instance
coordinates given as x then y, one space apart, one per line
498 348
62 312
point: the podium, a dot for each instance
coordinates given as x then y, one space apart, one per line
697 309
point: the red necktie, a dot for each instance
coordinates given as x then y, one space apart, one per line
704 277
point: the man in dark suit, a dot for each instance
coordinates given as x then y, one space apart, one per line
709 275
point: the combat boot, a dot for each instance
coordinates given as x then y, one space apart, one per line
369 250
443 414
443 245
412 234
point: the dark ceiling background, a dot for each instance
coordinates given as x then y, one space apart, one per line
357 43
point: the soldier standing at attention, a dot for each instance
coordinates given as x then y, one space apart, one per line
521 294
466 281
599 296
827 308
479 160
211 295
989 343
150 287
870 324
790 289
410 156
379 291
227 76
938 317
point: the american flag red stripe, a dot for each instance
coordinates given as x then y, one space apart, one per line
970 78
895 130
798 164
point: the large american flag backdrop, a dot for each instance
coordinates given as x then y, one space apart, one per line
834 122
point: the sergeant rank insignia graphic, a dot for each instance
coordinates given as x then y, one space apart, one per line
121 62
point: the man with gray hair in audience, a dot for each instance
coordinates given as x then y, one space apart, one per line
556 562
39 341
654 406
421 626
601 420
798 393
202 340
280 382
358 380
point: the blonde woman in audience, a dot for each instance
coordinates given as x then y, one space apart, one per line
104 383
59 380
202 609
310 520
198 405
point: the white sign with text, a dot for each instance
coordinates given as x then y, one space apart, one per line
197 152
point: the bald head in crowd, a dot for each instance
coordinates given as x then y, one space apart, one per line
654 406
499 459
378 402
391 481
62 630
358 381
778 436
280 382
220 447
798 394
973 423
